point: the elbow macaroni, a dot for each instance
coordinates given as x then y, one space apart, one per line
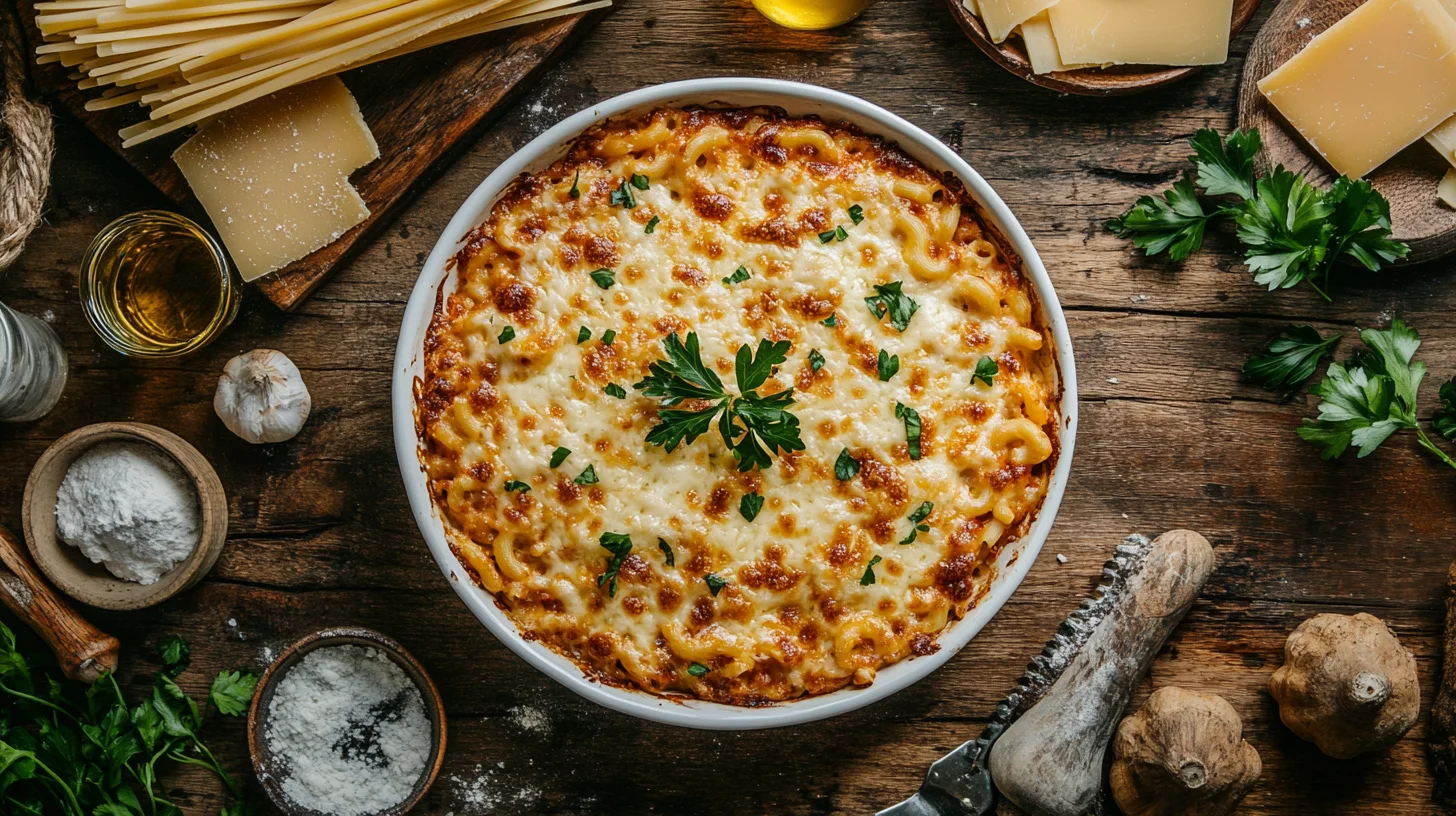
797 615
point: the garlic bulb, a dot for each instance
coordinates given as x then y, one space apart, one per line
261 397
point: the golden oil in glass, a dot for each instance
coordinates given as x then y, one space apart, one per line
812 14
155 284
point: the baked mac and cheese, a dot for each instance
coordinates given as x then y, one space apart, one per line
736 405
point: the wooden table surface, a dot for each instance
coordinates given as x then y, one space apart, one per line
321 533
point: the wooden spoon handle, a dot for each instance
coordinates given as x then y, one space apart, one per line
83 651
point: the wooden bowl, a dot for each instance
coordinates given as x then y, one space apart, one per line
266 767
91 583
1116 80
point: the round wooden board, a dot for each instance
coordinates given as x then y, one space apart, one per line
1408 181
1114 81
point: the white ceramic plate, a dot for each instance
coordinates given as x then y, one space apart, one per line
797 99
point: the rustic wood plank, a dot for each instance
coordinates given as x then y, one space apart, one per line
321 533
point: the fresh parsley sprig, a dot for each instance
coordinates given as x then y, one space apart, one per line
1372 396
1291 359
751 425
1292 231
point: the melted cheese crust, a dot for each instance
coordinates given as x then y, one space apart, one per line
730 188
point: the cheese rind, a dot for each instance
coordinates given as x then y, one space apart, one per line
274 175
1041 46
1003 16
1443 138
1143 32
1370 85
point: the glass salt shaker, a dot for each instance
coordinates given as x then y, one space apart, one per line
32 367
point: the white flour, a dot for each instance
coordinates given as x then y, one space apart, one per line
129 507
349 731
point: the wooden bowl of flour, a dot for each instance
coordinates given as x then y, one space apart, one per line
89 582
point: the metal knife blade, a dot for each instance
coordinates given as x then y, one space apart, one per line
959 783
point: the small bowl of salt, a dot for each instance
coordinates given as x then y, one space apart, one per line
122 515
346 723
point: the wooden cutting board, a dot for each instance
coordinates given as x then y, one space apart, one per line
1408 181
423 109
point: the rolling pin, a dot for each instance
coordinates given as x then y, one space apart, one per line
83 651
1049 762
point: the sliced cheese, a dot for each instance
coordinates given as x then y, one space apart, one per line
1443 138
274 174
1003 16
1371 84
1447 190
1041 46
975 9
1143 32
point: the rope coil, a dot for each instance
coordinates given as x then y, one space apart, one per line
27 144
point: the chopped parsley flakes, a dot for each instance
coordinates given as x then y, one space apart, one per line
912 428
652 225
749 505
917 521
507 335
608 336
582 335
639 181
519 487
888 365
666 548
715 584
697 669
575 192
739 276
856 213
614 390
588 476
604 277
986 371
846 467
558 456
869 573
816 360
891 299
622 196
618 544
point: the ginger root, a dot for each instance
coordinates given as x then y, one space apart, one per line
1347 685
1182 753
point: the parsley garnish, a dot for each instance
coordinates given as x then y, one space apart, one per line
715 584
846 467
608 337
887 365
614 390
622 196
232 692
856 213
831 321
739 276
747 423
588 476
749 505
816 360
518 486
1292 358
604 277
891 300
582 335
1292 231
697 669
1444 419
986 371
912 428
1371 396
574 192
666 552
639 181
917 521
507 335
869 573
558 456
652 225
837 233
618 544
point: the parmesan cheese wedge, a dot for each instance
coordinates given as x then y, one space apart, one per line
1142 32
274 174
1041 46
1003 16
1371 84
1447 190
1443 138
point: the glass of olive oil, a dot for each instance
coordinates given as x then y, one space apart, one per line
155 284
812 14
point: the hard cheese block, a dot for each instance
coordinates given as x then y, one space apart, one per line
1371 84
1142 32
274 174
1002 16
1447 190
1443 138
1041 46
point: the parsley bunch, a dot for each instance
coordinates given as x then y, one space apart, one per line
1292 231
78 751
1373 395
747 422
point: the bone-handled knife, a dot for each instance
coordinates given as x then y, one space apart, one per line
1072 695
